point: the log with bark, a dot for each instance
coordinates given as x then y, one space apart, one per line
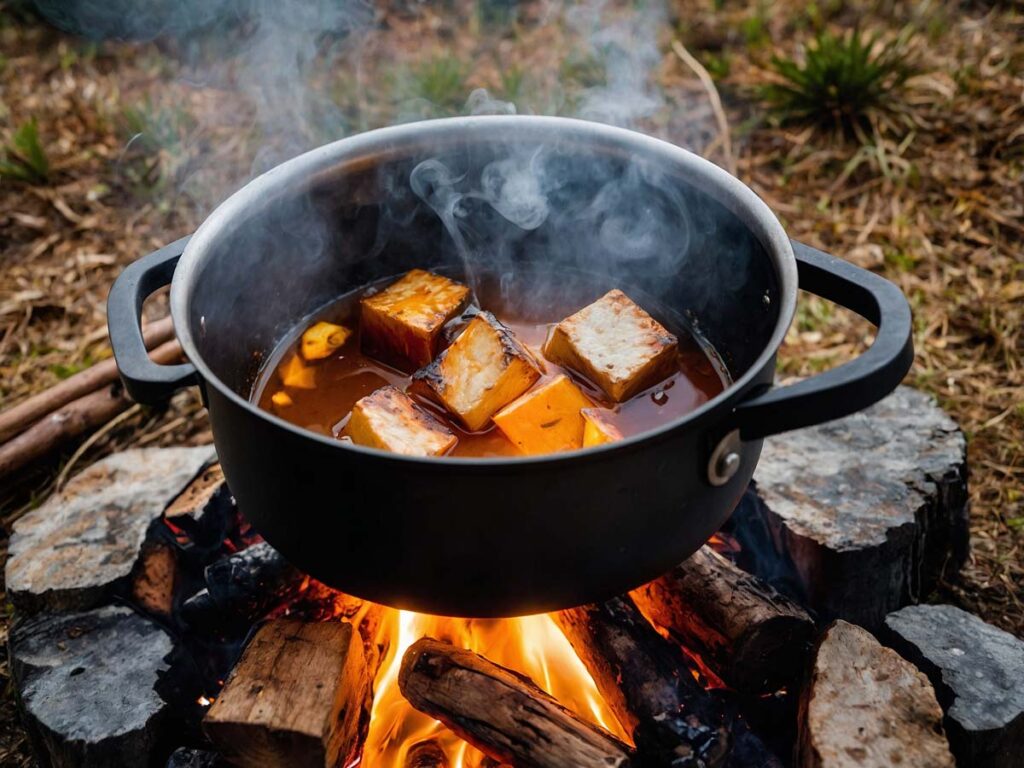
96 377
752 637
648 685
501 713
72 419
426 754
299 696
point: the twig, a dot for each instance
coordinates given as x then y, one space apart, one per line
93 439
714 98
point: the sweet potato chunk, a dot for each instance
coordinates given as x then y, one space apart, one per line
598 428
401 324
388 419
546 419
297 374
483 370
322 339
615 345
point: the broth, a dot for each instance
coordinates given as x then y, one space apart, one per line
349 375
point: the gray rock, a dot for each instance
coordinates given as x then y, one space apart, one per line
978 673
86 683
871 509
77 548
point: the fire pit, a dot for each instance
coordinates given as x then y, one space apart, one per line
151 619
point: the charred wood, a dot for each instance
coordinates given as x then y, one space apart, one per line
243 587
501 713
647 682
426 754
752 637
299 696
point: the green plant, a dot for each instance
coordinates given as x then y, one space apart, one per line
441 81
841 81
24 157
157 150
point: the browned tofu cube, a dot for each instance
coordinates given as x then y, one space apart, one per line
388 419
401 325
598 427
615 345
482 371
545 419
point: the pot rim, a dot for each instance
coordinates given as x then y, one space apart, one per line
720 185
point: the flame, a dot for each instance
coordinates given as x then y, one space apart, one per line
530 645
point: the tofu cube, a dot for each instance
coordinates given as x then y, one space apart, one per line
483 370
388 419
546 419
322 340
615 345
598 428
402 324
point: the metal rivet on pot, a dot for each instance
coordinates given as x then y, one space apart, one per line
725 459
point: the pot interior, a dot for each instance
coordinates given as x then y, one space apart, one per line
554 215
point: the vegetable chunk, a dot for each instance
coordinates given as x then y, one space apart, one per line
615 345
322 339
546 419
401 324
297 374
484 369
598 428
388 419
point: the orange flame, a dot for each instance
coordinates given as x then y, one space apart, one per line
530 645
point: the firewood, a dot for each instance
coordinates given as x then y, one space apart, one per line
753 638
243 587
865 707
27 412
426 754
299 696
71 420
647 683
502 713
154 579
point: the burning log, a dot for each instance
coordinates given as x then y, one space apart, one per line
154 579
71 420
24 414
751 636
299 696
502 713
243 587
647 683
865 707
426 754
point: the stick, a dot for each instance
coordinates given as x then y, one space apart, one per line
71 420
502 713
24 414
752 637
646 682
714 98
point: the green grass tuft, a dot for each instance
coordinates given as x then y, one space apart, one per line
441 81
842 80
24 158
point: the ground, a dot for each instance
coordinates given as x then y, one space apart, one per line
141 139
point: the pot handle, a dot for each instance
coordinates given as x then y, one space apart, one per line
145 381
854 385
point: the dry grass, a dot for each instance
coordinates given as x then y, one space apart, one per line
932 198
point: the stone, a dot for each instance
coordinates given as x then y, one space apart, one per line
87 684
80 546
978 674
871 510
866 707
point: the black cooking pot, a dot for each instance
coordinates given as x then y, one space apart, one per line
555 203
